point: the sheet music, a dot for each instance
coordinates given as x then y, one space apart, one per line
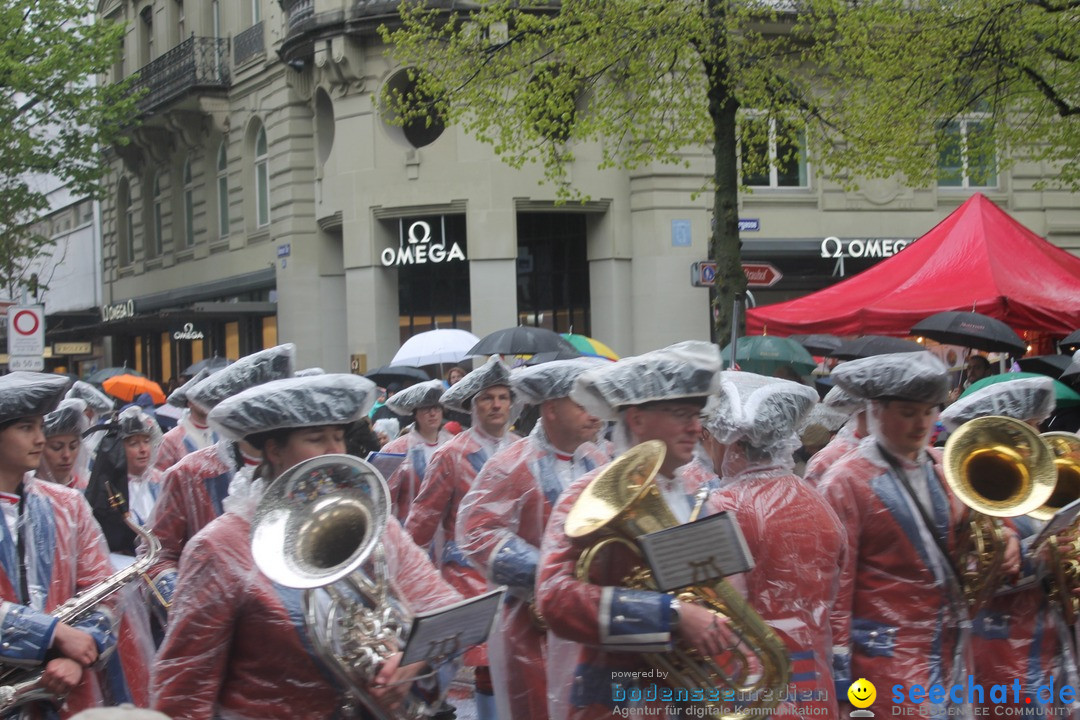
451 629
696 553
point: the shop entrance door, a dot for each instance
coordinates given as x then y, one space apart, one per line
553 272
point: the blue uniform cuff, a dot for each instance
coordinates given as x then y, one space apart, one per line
99 625
25 634
514 564
635 620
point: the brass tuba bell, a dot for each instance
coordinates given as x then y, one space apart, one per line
1064 563
999 467
319 528
623 502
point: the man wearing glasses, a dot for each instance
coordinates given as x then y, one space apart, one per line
602 626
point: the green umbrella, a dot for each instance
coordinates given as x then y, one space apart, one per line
765 354
1065 395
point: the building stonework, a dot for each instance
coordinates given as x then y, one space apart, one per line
312 210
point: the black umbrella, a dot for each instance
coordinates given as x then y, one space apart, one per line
971 330
870 345
213 364
523 340
1071 343
1052 365
105 373
818 344
397 373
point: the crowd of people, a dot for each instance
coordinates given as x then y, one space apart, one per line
858 563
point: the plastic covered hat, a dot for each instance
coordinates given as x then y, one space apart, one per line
30 394
551 380
96 400
414 397
764 412
491 374
1030 398
179 396
264 366
842 401
685 370
331 399
69 418
913 376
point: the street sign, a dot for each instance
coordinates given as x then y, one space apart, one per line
26 330
761 274
30 363
758 274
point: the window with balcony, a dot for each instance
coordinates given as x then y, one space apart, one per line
262 179
772 153
146 35
156 242
223 190
967 155
189 205
181 23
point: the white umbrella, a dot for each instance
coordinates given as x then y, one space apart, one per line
435 347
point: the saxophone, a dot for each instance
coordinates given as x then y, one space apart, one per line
622 503
19 686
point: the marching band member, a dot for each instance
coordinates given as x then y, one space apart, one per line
900 617
501 521
64 460
486 393
849 437
236 645
124 469
418 444
193 490
602 628
52 550
192 432
794 537
1018 635
99 409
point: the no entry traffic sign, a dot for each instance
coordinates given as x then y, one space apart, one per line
26 330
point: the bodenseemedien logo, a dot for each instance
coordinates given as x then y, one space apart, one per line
862 694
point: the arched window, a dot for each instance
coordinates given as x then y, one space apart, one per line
262 179
189 205
125 224
156 241
223 191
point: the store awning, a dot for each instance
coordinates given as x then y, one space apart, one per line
978 258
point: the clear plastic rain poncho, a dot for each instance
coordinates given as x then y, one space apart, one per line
1021 399
266 365
844 404
794 537
97 401
64 428
29 394
414 397
237 644
1020 633
188 435
179 396
500 525
900 617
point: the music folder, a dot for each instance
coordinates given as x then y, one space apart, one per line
1060 522
386 463
696 553
448 630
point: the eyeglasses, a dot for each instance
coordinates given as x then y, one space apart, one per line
685 415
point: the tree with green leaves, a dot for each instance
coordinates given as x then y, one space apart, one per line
54 116
866 89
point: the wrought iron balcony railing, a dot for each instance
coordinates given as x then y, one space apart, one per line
198 63
297 11
248 43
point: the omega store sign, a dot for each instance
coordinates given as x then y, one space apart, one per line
423 241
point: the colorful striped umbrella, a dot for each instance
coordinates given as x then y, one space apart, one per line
590 347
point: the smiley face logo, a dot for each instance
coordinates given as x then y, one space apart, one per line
862 693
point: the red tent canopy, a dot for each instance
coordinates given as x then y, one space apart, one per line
977 259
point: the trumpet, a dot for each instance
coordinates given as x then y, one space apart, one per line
622 503
999 467
19 686
319 527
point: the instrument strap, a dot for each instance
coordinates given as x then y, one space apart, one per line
21 544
